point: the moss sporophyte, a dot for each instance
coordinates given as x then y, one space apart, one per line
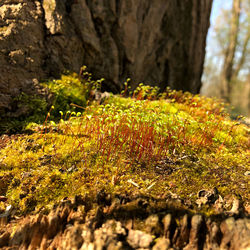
171 142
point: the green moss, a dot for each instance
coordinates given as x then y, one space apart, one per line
35 108
180 144
67 90
70 89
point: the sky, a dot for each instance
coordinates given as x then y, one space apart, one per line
212 46
218 5
212 53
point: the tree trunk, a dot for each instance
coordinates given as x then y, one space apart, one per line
227 71
185 37
155 42
243 56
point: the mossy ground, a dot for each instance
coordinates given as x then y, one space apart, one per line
61 93
148 143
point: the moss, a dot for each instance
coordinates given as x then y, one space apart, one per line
5 180
170 144
67 90
4 28
34 110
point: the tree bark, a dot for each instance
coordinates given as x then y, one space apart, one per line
156 42
188 54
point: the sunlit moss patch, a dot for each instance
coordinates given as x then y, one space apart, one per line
148 143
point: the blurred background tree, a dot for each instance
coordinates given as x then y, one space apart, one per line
227 68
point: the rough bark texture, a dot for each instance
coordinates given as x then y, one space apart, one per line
156 42
136 224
